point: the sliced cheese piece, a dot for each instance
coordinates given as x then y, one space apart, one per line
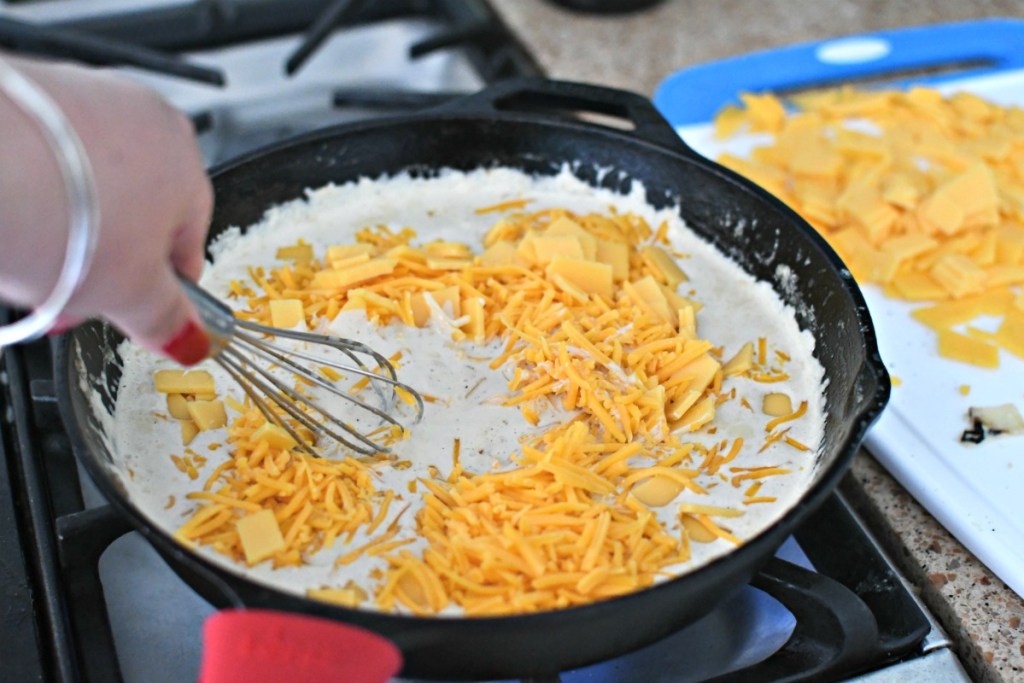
741 362
183 382
296 252
699 415
646 294
665 269
207 415
1010 334
346 597
657 491
177 406
548 247
448 250
965 349
501 253
343 251
616 255
567 226
473 308
274 436
590 276
343 279
188 431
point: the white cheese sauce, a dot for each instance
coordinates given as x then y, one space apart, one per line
737 310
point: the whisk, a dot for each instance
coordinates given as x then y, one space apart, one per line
243 348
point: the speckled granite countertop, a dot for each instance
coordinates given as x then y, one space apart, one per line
984 618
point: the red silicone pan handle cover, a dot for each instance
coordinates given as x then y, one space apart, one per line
262 646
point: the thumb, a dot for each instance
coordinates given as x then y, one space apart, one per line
166 321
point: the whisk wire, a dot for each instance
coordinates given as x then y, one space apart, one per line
271 355
349 347
237 344
238 376
289 400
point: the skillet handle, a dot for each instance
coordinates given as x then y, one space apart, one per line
538 95
835 635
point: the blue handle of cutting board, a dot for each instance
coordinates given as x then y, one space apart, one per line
696 94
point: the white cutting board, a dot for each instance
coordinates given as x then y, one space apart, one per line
977 492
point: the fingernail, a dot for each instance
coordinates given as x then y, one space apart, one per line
189 346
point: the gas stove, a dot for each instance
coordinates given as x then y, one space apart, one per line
87 599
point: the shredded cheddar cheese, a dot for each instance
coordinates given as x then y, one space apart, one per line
314 501
589 319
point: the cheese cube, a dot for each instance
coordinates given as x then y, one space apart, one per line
183 382
647 295
287 313
777 405
260 536
207 415
590 276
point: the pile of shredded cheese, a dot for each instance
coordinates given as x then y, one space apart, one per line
921 194
593 334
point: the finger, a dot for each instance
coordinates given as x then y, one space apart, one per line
165 321
188 246
64 323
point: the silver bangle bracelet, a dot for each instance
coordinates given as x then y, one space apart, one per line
83 207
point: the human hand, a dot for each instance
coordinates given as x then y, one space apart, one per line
155 202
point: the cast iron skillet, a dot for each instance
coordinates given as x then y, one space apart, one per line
526 125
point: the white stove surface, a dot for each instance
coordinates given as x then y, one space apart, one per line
260 103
